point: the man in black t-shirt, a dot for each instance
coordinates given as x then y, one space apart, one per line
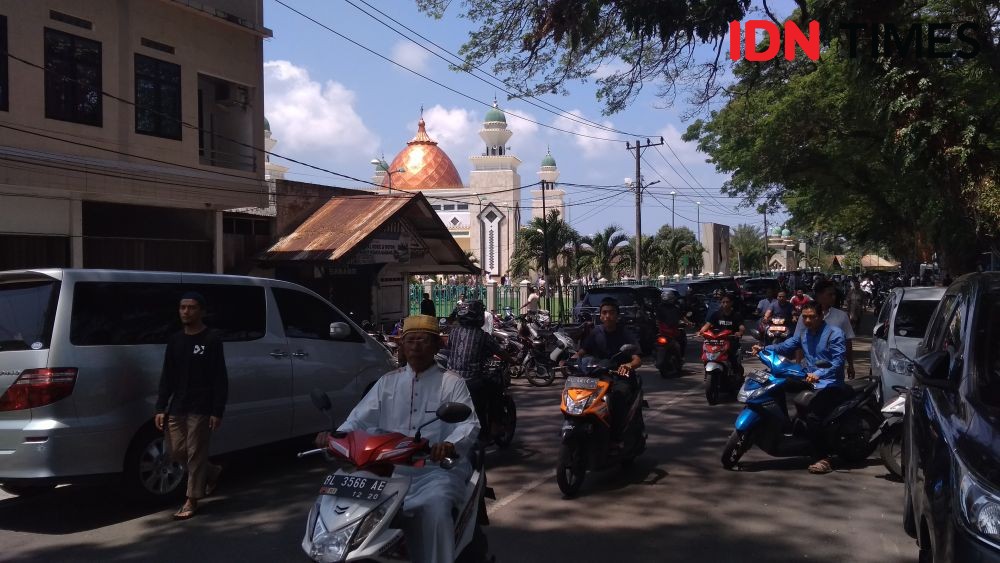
604 342
727 318
194 388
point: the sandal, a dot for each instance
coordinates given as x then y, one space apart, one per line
213 482
821 467
186 512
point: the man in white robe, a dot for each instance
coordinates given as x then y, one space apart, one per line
401 401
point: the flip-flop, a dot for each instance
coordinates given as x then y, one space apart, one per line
212 483
185 513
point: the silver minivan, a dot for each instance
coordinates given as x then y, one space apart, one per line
80 359
899 327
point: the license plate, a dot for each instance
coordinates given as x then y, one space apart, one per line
350 486
777 329
577 382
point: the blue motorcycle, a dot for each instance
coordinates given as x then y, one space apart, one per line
765 421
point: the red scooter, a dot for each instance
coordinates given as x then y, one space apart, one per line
720 377
669 350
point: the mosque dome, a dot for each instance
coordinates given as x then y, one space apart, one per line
548 160
267 125
776 231
425 165
494 114
786 233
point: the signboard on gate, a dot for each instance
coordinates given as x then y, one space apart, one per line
385 248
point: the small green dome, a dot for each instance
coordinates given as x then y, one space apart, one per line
548 160
785 232
776 231
494 114
267 126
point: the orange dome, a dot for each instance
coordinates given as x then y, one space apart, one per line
426 166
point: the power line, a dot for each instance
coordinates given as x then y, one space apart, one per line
705 192
438 83
518 95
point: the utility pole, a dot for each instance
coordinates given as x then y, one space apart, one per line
673 203
545 251
767 247
638 200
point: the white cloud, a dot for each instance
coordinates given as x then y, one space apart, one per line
456 130
410 55
687 152
314 121
521 128
574 121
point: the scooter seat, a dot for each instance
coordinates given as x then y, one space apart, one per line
860 385
802 400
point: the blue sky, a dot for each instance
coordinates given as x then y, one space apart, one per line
332 104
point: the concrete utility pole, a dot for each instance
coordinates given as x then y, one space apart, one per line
545 250
638 199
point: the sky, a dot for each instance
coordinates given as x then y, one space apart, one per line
332 104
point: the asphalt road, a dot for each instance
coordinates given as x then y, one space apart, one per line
675 504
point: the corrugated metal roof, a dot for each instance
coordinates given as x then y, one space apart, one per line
337 228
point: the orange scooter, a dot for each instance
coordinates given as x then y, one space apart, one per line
586 430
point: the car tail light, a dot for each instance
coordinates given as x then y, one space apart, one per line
38 387
662 341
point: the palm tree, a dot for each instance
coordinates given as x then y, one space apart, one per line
649 254
672 243
748 246
558 242
471 256
692 257
606 248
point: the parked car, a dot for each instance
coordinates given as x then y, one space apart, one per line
636 303
80 359
899 327
693 302
707 287
755 289
951 441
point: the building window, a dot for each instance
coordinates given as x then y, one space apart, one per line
449 207
72 78
157 97
4 81
463 206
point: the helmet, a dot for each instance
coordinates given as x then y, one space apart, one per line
471 313
669 296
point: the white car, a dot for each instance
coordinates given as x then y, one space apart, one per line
898 330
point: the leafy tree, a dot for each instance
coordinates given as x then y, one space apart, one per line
901 150
606 248
545 44
673 244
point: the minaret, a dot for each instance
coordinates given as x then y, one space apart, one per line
555 198
495 213
272 171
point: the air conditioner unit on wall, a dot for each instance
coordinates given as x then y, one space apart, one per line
231 95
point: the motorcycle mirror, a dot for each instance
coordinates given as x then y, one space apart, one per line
320 400
823 364
628 349
453 412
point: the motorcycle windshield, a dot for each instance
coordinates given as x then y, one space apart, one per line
779 365
590 365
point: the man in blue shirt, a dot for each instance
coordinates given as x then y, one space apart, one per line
820 341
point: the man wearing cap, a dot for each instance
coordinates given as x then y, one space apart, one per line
402 400
194 387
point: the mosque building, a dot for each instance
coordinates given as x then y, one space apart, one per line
484 216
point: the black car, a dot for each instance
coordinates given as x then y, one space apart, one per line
637 305
951 443
706 289
690 301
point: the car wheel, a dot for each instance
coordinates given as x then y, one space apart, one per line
149 474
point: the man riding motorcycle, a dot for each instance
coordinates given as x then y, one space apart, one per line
780 308
820 341
670 314
470 347
604 342
402 400
727 318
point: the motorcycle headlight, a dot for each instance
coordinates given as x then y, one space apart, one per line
898 363
712 356
370 522
980 507
751 389
577 407
330 547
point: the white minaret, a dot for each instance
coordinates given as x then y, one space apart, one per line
555 198
495 213
272 171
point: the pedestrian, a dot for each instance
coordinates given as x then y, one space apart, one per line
855 304
194 386
427 306
532 305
